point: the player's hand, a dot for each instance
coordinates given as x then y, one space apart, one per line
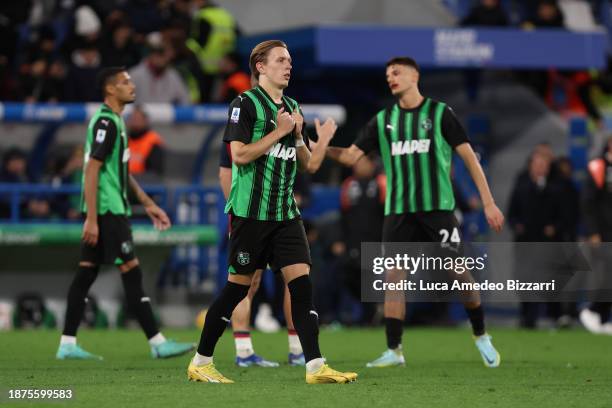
494 216
284 122
299 122
160 219
90 232
327 130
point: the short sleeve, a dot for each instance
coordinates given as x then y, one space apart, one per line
240 122
225 159
104 137
367 140
452 130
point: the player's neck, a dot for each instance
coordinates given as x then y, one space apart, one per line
410 100
115 105
275 93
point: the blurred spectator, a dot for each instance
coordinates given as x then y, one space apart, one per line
185 62
569 197
14 167
117 46
146 16
41 74
362 197
68 171
86 30
12 15
146 145
569 93
85 64
487 13
235 81
14 170
598 223
534 215
213 35
547 15
156 81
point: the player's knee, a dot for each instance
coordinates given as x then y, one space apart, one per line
85 277
240 279
300 289
296 271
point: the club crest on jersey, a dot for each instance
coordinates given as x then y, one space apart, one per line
282 152
126 247
243 258
409 147
235 115
426 124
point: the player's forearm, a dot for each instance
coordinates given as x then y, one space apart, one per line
473 165
225 179
343 155
142 197
303 157
92 171
317 155
245 153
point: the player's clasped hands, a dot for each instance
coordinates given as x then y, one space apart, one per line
284 121
299 121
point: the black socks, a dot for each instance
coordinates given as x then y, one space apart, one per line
305 319
137 302
219 315
476 317
393 330
77 294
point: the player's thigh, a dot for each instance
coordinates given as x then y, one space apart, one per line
116 231
400 228
289 251
440 226
248 245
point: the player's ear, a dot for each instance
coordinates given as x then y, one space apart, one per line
259 66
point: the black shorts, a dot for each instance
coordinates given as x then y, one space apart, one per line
255 244
426 226
115 244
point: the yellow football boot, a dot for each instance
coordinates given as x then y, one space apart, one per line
206 373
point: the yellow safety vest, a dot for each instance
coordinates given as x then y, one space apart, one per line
221 40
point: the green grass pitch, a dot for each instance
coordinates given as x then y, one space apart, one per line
539 369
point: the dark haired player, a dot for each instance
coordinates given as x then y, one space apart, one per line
107 234
416 137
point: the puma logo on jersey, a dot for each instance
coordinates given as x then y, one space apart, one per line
282 152
104 122
410 147
390 127
273 122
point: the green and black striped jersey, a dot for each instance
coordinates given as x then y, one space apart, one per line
263 188
107 142
416 147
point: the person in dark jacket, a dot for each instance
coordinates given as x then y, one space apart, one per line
535 216
488 13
